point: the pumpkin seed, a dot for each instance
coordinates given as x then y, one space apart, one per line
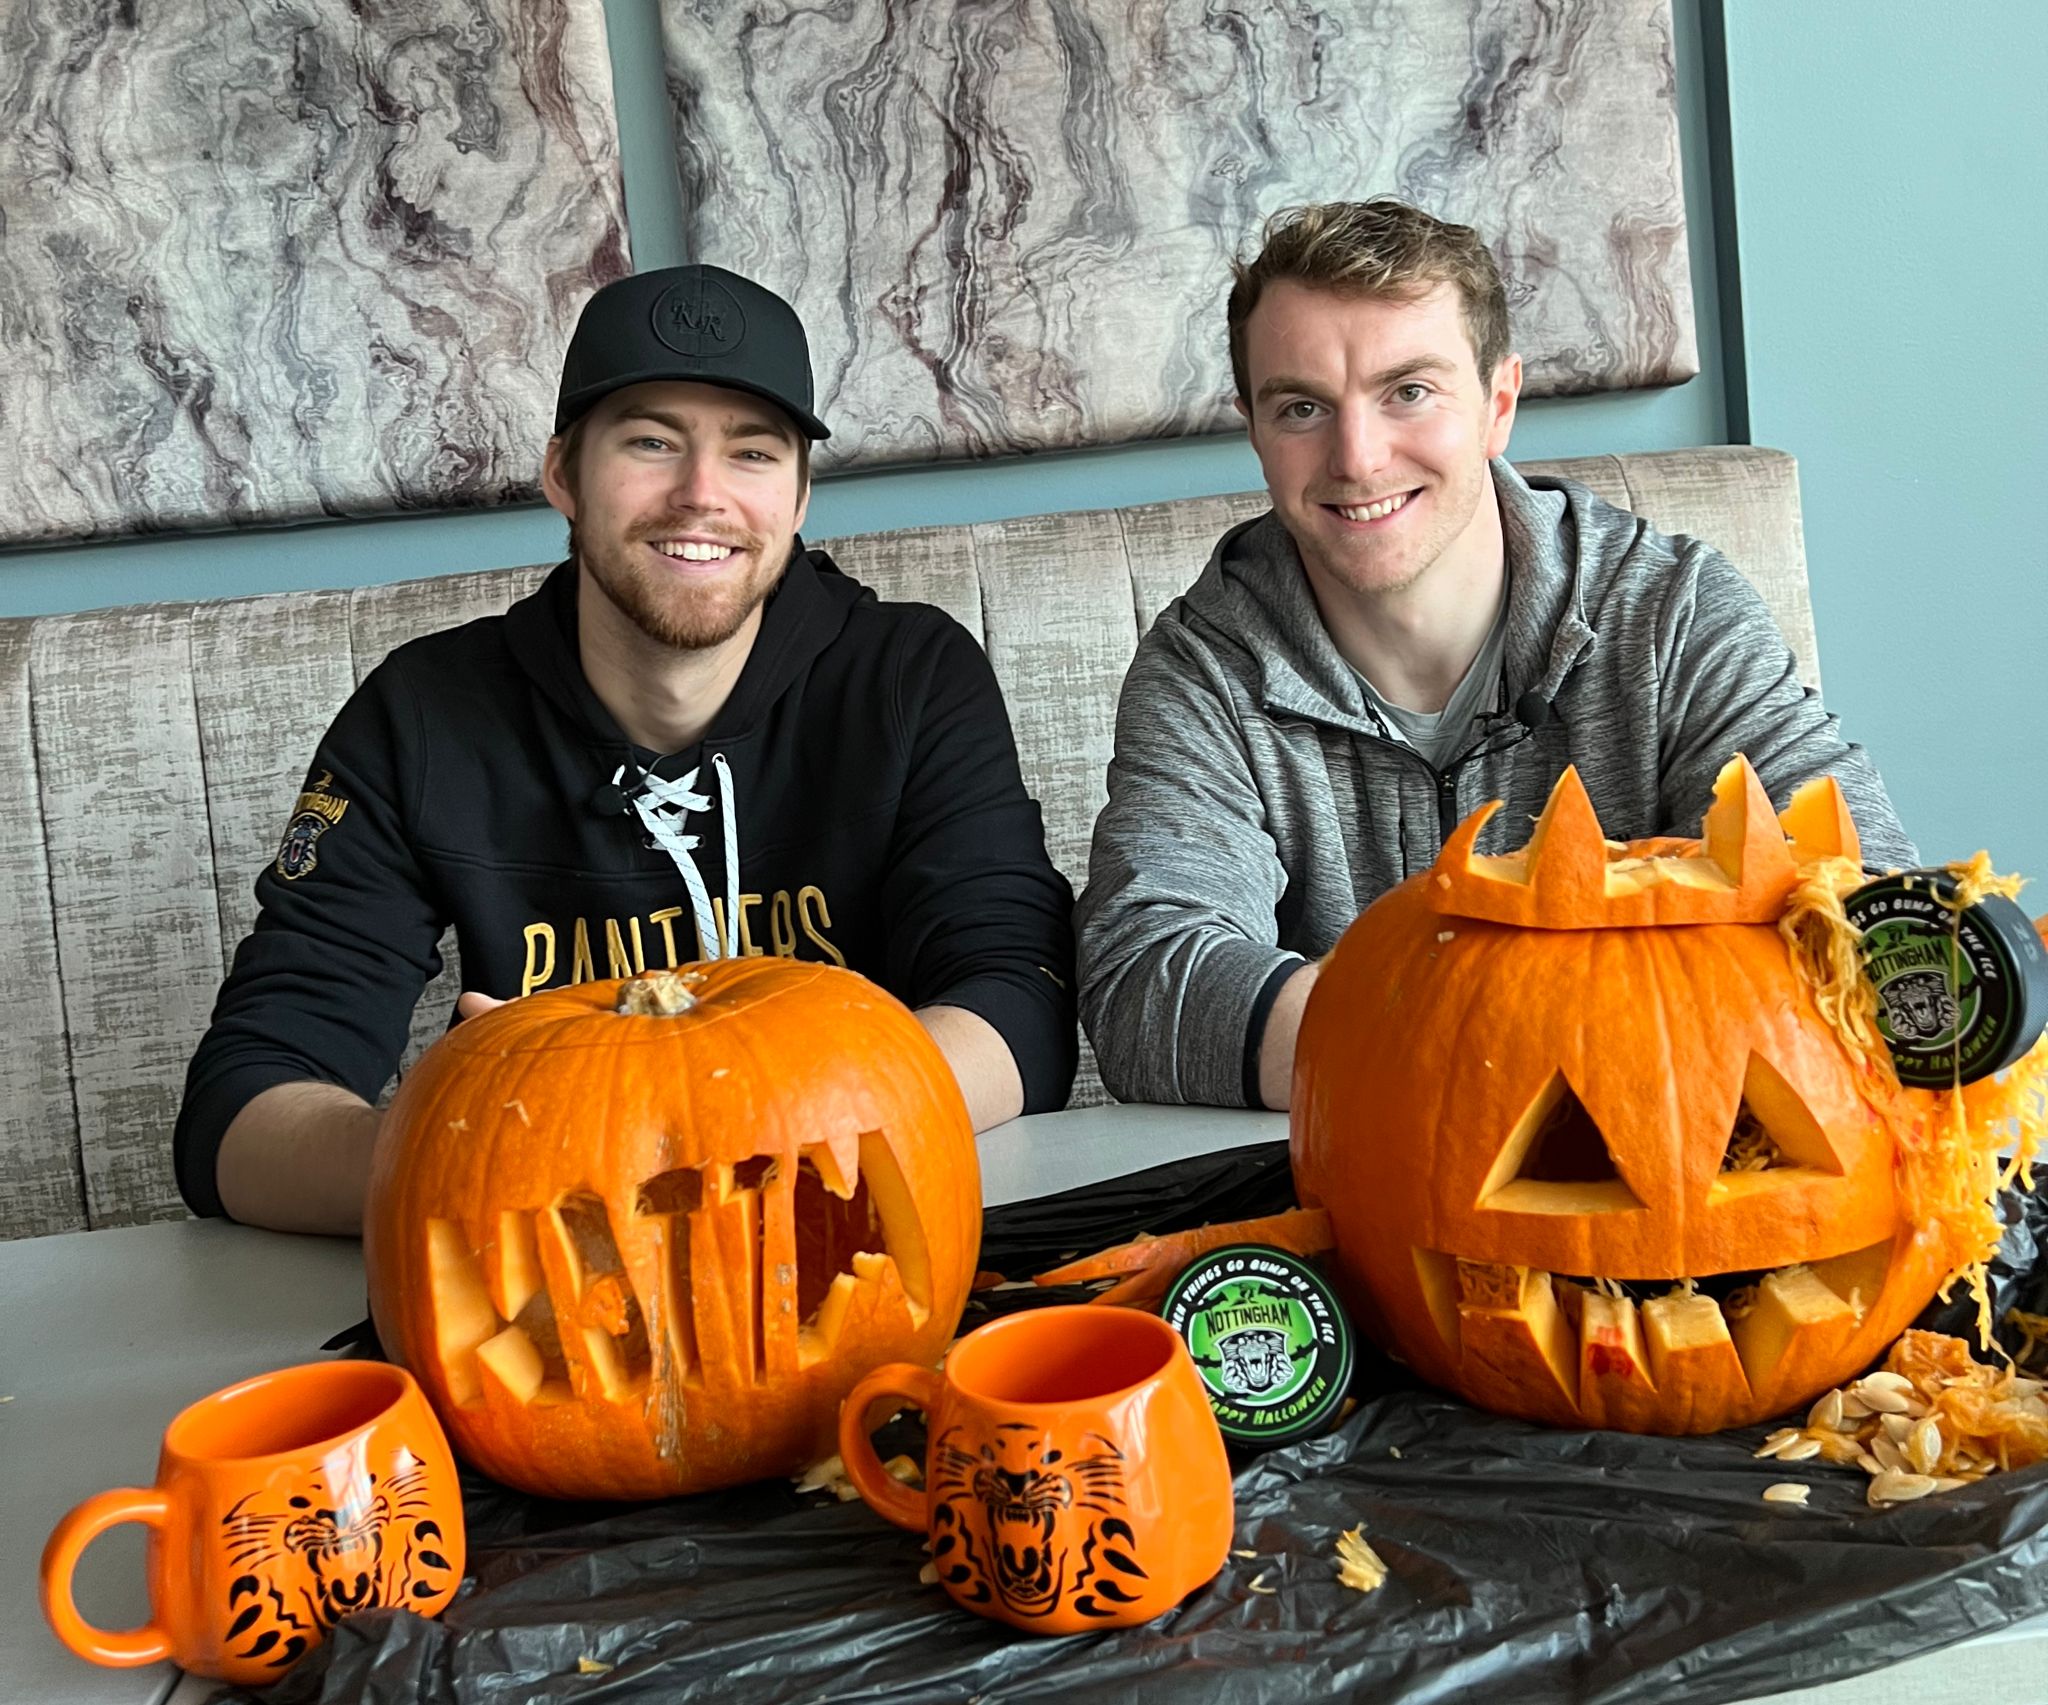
1787 1492
820 1475
1774 1443
1884 1401
1853 1407
1827 1413
1889 1454
1895 1487
1799 1450
1896 1427
1885 1380
1923 1445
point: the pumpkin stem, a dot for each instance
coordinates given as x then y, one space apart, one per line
659 994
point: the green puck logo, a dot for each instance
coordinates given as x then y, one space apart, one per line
1960 995
1269 1340
1927 992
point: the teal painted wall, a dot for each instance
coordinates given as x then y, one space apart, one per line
1890 183
356 553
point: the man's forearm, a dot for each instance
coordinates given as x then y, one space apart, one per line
1276 1047
297 1158
981 1061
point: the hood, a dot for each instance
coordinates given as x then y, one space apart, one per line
803 615
1255 588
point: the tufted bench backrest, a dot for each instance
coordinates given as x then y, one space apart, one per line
148 756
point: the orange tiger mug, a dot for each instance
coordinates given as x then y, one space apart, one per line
281 1505
1074 1474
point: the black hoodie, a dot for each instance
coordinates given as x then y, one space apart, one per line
882 824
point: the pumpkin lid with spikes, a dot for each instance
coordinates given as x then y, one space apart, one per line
1741 870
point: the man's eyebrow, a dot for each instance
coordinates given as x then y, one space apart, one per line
756 426
759 428
1287 383
1409 369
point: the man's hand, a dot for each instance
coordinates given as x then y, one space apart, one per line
470 1004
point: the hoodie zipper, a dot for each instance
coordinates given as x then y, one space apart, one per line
1445 781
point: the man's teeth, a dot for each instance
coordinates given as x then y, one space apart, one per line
1373 511
691 550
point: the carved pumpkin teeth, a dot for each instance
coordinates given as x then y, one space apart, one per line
757 1269
1606 1360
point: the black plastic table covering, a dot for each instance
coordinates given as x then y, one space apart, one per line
1526 1564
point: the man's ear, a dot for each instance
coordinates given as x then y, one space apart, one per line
553 483
1251 426
803 507
1503 395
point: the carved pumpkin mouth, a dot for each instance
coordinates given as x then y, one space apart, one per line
1577 1333
1631 1334
753 1265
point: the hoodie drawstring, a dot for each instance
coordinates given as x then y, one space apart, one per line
661 806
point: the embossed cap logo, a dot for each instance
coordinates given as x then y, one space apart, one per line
699 317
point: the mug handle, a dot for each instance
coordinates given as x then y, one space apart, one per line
912 1387
134 1646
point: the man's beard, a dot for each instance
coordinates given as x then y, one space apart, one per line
671 611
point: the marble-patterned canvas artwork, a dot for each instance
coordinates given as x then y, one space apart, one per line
271 261
1008 223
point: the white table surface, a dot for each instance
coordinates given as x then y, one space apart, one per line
105 1335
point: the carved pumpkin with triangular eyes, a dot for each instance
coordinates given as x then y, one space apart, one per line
640 1238
1591 1153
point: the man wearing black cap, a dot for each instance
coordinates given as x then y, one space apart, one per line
696 739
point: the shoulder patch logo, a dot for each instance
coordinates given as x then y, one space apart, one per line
317 811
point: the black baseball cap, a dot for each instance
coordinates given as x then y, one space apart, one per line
689 322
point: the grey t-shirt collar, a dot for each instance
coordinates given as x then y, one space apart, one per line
1441 736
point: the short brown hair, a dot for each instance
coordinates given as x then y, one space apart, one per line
1372 248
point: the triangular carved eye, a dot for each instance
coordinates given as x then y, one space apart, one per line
1557 1162
1774 1135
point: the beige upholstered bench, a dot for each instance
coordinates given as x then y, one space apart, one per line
149 756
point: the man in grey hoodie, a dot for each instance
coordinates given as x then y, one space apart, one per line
1413 629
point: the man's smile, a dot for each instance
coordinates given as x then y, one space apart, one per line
697 550
1377 511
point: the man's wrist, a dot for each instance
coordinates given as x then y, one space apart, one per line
1257 1027
1283 1027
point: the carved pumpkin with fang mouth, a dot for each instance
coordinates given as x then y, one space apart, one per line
640 1238
1590 1152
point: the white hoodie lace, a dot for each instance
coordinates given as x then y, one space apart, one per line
661 807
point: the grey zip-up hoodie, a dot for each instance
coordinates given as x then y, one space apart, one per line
1257 806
